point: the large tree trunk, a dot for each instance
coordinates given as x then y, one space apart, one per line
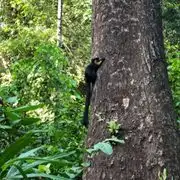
132 88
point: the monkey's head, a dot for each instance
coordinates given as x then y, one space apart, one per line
97 61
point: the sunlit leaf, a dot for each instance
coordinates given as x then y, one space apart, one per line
27 108
104 147
12 99
5 127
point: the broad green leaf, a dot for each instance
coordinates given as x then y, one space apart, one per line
12 100
31 152
40 175
27 108
21 172
13 171
104 147
15 148
12 115
49 159
28 121
5 127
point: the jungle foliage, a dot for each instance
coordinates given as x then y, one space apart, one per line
40 85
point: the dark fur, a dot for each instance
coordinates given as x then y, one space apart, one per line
90 77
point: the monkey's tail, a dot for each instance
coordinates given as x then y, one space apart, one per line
85 121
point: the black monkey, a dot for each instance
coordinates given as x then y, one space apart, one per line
90 78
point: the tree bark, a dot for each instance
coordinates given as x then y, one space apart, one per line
132 88
59 23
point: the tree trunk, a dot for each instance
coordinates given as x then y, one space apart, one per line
59 23
132 88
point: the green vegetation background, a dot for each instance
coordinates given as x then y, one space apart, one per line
42 85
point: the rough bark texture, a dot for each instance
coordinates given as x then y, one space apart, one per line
132 87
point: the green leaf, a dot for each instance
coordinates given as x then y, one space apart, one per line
86 164
21 171
91 150
49 159
12 116
29 121
115 139
5 127
15 148
31 152
44 168
40 175
13 171
12 100
104 147
27 108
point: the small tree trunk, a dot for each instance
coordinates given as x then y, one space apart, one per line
132 88
59 23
